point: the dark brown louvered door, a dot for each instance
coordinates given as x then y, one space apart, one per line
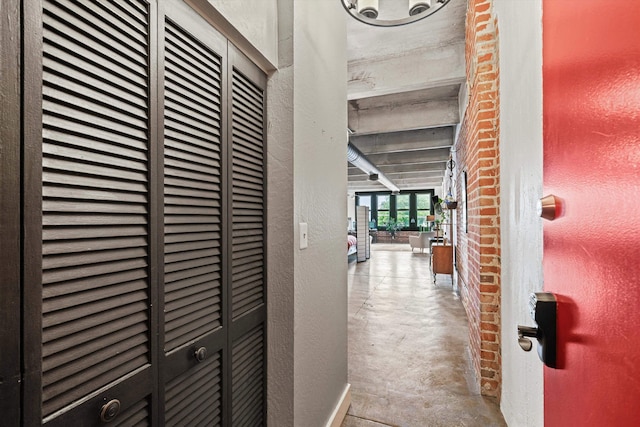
144 233
214 303
96 219
195 334
247 249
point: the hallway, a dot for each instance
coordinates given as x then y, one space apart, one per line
408 347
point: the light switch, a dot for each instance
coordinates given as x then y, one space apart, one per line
304 237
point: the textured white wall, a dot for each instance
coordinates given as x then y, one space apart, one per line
280 302
320 185
520 25
256 20
307 183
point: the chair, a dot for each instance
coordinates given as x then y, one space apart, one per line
421 241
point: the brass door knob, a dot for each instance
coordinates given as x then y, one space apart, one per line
109 410
201 354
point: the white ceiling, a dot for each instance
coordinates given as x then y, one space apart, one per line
403 92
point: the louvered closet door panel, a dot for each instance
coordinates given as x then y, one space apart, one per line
248 279
95 202
194 73
248 195
192 188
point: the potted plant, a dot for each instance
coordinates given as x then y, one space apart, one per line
450 202
392 227
441 214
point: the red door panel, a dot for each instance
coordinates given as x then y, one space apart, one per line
591 80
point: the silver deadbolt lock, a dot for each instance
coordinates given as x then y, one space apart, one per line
549 207
543 310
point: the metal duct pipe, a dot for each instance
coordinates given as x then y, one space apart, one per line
359 160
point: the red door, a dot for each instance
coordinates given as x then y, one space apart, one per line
591 75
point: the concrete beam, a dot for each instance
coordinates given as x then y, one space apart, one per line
435 186
402 176
418 167
392 118
414 70
417 139
418 181
414 97
410 157
417 175
364 186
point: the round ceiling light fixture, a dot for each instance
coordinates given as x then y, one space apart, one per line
393 13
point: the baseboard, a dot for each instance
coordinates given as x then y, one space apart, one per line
337 417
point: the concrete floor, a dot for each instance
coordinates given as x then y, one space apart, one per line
409 361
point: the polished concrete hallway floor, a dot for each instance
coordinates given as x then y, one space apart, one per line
409 362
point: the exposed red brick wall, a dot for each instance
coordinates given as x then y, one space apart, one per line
477 153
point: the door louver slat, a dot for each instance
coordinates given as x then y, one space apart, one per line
92 258
178 185
184 138
95 321
75 194
194 264
90 337
186 232
98 26
92 232
74 286
191 152
91 81
192 191
109 370
137 415
122 349
191 294
246 153
82 19
246 174
80 155
67 274
90 182
245 131
191 149
248 257
210 270
73 166
184 407
247 374
95 288
101 293
187 324
78 246
182 310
